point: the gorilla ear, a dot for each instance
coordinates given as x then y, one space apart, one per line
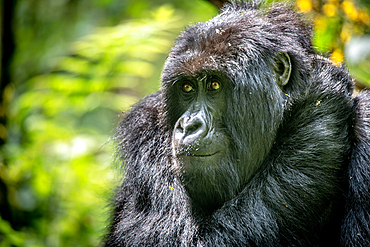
282 68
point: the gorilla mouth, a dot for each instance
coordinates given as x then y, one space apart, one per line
202 155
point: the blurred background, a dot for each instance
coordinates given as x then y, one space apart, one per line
68 70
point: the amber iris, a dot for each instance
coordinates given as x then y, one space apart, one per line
187 88
214 85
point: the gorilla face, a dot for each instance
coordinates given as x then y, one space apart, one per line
200 141
224 101
223 123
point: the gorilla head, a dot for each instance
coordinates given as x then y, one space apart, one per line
226 85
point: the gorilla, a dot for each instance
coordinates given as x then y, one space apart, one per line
253 140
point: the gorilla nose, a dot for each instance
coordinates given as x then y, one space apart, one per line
190 129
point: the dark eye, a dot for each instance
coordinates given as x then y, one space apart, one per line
186 87
215 85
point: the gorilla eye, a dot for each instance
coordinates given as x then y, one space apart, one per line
214 86
187 88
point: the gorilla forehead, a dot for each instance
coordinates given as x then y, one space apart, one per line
239 36
221 35
213 49
217 45
208 50
207 45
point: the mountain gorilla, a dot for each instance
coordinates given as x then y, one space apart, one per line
253 140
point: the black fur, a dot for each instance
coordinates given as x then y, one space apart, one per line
296 168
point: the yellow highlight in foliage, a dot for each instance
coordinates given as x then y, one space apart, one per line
345 34
321 23
364 17
335 2
304 5
329 9
350 10
337 57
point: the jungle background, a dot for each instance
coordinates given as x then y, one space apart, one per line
68 70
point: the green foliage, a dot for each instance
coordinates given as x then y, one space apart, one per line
358 58
336 22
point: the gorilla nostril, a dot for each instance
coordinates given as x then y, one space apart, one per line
193 128
190 128
179 129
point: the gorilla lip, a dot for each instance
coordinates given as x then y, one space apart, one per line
202 155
